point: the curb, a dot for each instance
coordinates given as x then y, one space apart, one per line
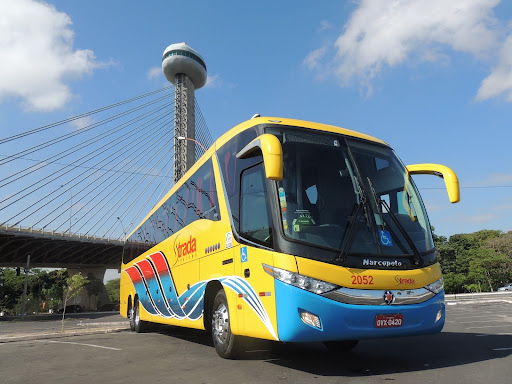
472 301
478 298
58 334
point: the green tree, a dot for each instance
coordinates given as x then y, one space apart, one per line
467 259
489 269
53 284
12 289
455 282
501 244
74 286
113 290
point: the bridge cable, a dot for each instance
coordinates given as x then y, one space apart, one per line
74 166
86 114
137 145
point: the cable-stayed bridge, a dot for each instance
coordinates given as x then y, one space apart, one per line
71 191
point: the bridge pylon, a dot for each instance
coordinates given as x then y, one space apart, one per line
185 68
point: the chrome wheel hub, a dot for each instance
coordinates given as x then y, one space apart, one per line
220 324
137 318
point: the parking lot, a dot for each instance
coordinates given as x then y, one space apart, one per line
474 347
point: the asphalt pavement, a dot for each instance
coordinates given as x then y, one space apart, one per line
35 327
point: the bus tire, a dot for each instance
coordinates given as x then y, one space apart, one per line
131 314
225 342
342 346
139 326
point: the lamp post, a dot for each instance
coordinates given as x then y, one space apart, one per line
194 140
122 226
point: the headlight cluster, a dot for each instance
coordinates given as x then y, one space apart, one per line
300 281
436 287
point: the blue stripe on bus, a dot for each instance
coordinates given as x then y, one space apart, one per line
144 299
348 322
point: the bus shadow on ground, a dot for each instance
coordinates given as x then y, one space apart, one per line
396 355
369 357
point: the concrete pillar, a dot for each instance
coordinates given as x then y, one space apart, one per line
90 303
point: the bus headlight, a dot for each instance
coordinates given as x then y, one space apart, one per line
304 282
436 287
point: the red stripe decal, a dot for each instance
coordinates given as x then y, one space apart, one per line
147 271
134 275
159 261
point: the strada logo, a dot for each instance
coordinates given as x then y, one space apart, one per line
402 281
185 248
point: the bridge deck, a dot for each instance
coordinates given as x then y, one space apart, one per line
57 250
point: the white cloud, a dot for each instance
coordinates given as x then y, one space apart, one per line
38 58
313 59
499 82
212 81
500 178
155 72
490 180
325 25
82 122
386 33
483 218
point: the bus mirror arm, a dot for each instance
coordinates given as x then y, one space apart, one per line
450 178
270 147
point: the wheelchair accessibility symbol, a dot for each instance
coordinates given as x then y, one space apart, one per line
243 254
385 238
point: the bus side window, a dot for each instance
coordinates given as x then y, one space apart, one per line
255 222
231 168
205 200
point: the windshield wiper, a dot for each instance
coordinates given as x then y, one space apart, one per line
379 203
354 222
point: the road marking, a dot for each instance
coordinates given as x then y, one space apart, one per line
86 345
487 326
456 317
477 321
502 349
495 334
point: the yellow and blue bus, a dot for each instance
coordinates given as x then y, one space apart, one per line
291 231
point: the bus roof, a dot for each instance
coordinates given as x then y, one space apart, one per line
291 122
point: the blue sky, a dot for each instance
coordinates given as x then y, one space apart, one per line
432 78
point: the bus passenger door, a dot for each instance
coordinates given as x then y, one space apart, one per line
258 304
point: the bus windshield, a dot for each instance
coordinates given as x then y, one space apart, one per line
349 195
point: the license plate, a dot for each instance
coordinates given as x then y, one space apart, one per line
387 321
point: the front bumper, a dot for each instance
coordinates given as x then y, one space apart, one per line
340 321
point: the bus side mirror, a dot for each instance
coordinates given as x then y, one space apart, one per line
270 147
450 178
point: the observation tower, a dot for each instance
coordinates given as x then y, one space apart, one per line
184 67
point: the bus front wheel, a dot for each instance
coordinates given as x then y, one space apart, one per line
225 342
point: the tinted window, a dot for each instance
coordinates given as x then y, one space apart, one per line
231 168
255 221
195 199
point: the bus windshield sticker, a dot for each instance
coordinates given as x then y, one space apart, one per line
304 220
229 240
243 254
385 238
284 206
